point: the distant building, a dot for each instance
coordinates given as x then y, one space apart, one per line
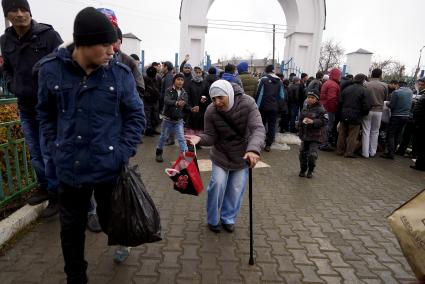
131 44
255 65
359 62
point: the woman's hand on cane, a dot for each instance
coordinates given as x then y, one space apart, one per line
251 158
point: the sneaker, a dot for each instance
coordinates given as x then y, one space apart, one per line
51 209
121 254
267 149
93 224
158 156
38 197
214 228
302 174
229 227
309 174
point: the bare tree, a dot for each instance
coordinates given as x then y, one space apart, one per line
391 69
331 54
235 59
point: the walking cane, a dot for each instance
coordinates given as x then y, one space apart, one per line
251 237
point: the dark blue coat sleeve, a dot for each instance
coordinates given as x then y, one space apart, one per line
47 112
133 118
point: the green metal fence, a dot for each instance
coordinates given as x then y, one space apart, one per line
16 173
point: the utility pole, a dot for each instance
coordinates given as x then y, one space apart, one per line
274 42
418 68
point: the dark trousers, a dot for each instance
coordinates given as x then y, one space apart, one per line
348 139
395 127
407 138
284 121
151 116
419 138
293 115
73 206
269 120
308 155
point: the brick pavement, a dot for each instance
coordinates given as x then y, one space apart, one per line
330 229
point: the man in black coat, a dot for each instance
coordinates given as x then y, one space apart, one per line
419 132
354 105
150 100
269 94
23 45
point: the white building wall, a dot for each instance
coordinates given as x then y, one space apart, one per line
358 63
130 46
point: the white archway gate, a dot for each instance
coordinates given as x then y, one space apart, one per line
306 19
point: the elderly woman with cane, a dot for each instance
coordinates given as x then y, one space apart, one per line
234 128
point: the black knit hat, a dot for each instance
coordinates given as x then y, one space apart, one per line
91 27
314 93
9 5
178 75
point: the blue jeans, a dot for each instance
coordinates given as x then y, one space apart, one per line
225 194
41 160
166 129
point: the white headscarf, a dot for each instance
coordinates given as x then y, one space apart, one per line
223 88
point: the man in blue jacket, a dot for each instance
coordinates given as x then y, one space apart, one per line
93 119
400 105
269 94
23 45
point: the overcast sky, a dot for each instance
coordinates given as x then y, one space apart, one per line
390 28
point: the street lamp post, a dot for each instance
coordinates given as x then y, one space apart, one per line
418 68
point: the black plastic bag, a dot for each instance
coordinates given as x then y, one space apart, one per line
134 217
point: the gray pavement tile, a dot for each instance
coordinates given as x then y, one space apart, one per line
331 229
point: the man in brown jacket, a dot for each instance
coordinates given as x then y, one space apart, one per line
234 128
378 93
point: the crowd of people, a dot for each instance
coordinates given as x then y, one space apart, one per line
85 106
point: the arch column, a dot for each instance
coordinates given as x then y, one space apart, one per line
305 19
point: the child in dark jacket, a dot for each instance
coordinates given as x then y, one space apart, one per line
175 107
312 122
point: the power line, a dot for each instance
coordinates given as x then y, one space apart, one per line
258 23
248 26
245 30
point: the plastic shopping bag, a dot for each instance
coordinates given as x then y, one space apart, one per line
408 225
134 217
185 174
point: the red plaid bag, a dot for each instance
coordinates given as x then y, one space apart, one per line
185 174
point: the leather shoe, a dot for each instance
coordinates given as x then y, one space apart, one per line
214 228
51 209
229 227
38 197
416 168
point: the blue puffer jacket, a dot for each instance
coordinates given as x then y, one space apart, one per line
92 123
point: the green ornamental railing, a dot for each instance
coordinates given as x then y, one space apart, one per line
16 173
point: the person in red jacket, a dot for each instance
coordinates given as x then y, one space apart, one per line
329 97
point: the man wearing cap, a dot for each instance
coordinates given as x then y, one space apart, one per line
93 118
22 45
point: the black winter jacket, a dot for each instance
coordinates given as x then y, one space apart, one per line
419 112
152 91
293 94
20 56
171 110
316 131
195 92
354 104
269 92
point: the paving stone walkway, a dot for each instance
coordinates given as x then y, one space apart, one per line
329 229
